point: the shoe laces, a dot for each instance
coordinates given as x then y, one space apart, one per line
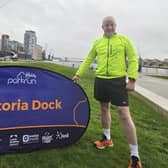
134 162
103 138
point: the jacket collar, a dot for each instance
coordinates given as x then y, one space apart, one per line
113 35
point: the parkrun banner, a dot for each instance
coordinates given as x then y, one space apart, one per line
40 109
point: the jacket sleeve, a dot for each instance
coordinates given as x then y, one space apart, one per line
132 57
87 61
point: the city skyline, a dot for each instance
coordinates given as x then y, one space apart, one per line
29 49
69 28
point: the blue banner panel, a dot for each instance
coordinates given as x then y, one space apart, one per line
40 109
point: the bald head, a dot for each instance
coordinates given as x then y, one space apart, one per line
109 26
109 19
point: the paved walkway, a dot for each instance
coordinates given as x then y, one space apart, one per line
156 85
154 89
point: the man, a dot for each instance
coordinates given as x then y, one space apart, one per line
116 60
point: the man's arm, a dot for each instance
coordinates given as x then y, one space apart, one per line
132 56
86 63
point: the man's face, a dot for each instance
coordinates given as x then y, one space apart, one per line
109 27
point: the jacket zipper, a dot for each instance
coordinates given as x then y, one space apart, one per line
109 52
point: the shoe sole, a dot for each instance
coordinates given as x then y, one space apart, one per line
103 147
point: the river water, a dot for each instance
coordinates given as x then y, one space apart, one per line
150 71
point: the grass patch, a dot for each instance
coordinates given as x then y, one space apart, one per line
152 129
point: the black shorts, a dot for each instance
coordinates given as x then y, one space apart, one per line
111 90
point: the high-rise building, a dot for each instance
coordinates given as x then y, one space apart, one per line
13 45
16 46
30 41
5 42
38 53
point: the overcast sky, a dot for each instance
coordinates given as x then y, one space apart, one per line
69 27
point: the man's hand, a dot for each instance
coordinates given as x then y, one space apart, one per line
75 78
130 85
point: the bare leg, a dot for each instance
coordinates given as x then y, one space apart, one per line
128 124
105 121
105 115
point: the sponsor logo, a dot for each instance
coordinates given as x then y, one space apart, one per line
13 141
23 78
47 138
29 139
60 135
124 102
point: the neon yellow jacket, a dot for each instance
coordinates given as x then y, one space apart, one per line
116 57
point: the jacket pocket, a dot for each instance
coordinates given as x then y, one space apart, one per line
116 49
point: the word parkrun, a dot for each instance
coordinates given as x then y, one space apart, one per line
23 78
35 105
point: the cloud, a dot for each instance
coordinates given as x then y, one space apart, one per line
70 27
